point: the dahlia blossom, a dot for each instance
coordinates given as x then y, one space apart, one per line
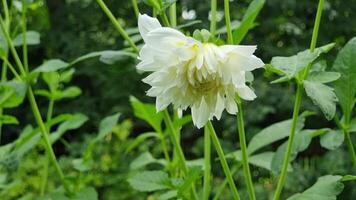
188 73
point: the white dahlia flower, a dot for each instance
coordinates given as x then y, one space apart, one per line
188 73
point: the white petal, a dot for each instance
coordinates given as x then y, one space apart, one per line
162 102
147 24
165 39
200 114
230 105
242 62
246 93
219 106
246 50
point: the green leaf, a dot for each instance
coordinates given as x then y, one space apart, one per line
353 125
193 175
332 139
326 188
349 178
147 112
168 195
32 38
323 77
345 87
106 125
248 20
144 159
272 134
8 119
82 165
323 96
301 142
44 93
87 193
12 93
51 66
141 138
70 92
148 181
290 66
108 56
66 76
74 122
262 160
52 80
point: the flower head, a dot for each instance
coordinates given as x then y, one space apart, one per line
188 73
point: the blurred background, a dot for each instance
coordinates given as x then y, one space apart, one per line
71 28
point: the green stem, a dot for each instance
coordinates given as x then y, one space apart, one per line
165 19
230 39
12 48
45 174
315 33
213 5
297 104
135 6
175 142
346 132
6 10
242 137
173 14
24 36
46 164
221 188
177 147
117 25
298 101
4 64
350 147
45 136
207 164
223 161
12 69
316 25
164 146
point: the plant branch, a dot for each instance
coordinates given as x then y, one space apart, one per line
223 161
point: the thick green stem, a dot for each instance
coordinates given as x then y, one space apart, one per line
45 136
177 147
230 39
165 19
135 7
223 161
297 104
350 147
344 128
117 25
222 186
242 137
24 36
164 146
207 164
47 158
173 14
12 48
298 101
213 6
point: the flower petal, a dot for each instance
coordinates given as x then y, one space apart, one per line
147 24
200 113
246 93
